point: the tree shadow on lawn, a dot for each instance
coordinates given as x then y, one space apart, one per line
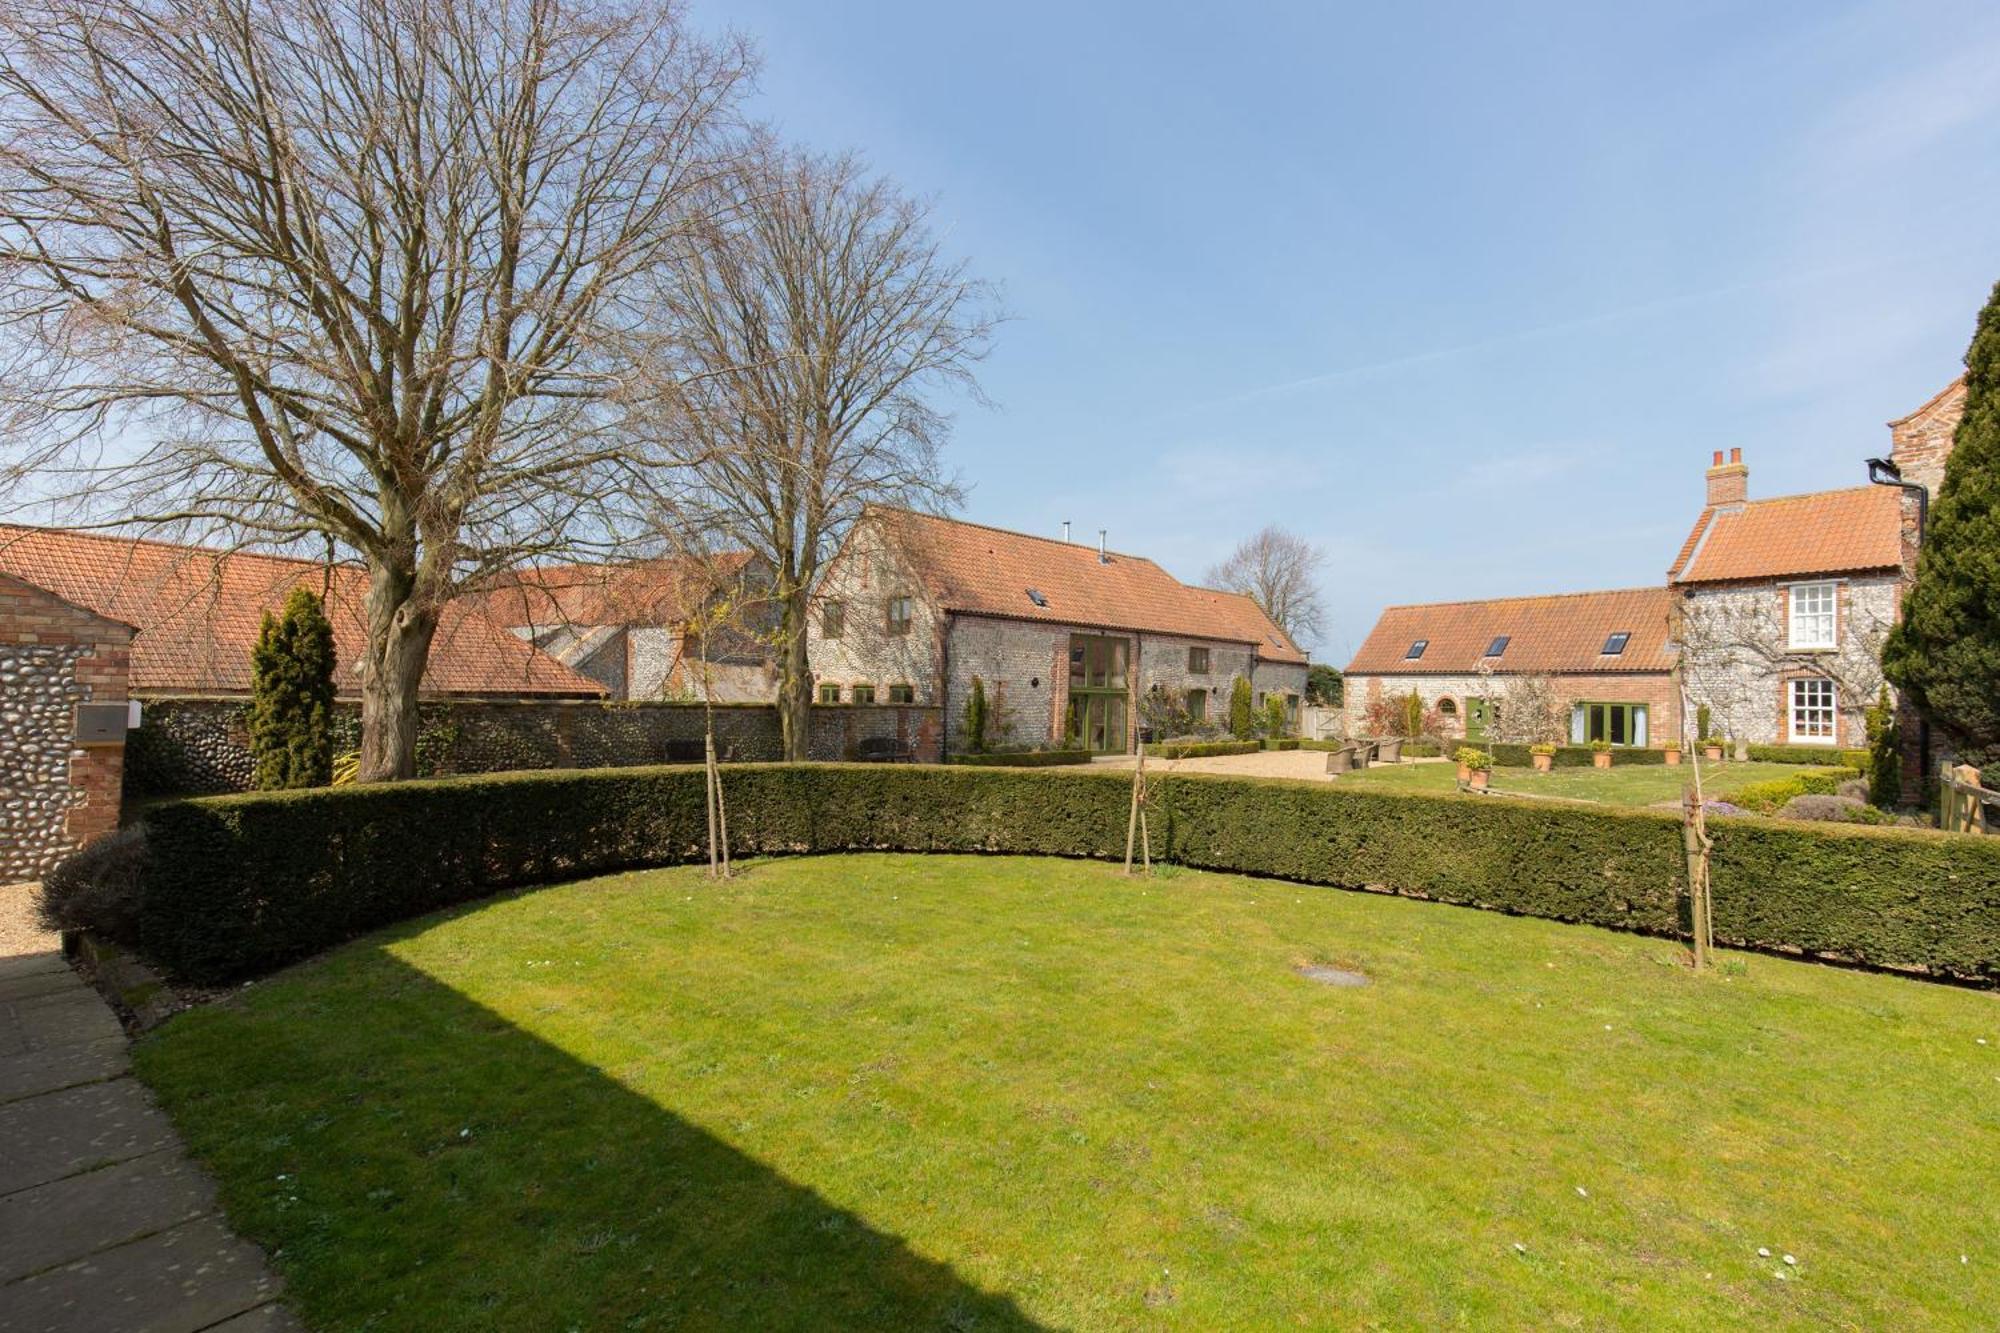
414 1159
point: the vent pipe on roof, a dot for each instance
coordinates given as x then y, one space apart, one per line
1065 532
1103 556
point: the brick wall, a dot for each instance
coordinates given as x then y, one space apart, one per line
54 794
1921 443
201 746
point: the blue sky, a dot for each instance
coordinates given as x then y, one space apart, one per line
1464 293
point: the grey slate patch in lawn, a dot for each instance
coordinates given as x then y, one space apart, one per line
61 1067
1333 976
79 1215
180 1281
60 1133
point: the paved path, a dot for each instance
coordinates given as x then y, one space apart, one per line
104 1223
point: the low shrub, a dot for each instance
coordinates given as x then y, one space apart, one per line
1509 755
1769 796
1422 749
1181 749
1281 742
1022 758
97 888
1833 809
1468 757
237 885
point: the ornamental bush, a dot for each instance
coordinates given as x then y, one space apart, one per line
291 696
237 885
1885 756
1944 653
1242 711
976 718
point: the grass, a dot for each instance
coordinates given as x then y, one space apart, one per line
1003 1093
1631 784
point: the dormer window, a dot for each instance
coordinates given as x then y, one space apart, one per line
1035 596
1615 644
1416 650
1499 645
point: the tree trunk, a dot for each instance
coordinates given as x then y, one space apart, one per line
392 671
795 677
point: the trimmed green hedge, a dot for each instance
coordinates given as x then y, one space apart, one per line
1201 749
1509 755
238 885
1281 743
1817 755
1022 758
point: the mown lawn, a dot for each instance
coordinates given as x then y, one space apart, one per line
1629 784
987 1093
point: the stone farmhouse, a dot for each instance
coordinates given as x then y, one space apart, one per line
679 629
1775 609
1608 654
1066 638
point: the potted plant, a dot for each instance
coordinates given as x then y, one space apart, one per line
1475 767
1711 749
1544 755
1600 754
1673 752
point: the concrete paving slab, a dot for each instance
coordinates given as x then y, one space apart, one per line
263 1319
60 1133
33 964
35 1072
72 1218
179 1281
71 1018
31 984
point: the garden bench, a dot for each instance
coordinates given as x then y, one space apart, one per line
885 750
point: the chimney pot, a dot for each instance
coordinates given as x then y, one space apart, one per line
1735 455
1065 532
1718 459
1103 555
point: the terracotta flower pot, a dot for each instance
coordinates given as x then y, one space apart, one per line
1601 759
1464 773
1480 777
1712 753
1543 762
1673 757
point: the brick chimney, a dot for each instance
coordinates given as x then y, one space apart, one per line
1728 483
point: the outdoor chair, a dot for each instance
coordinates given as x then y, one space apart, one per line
885 750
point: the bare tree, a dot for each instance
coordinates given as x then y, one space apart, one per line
359 268
1279 570
804 337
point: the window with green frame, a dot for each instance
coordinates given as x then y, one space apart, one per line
902 694
1620 724
829 693
863 694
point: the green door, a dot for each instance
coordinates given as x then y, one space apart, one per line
1475 719
1097 692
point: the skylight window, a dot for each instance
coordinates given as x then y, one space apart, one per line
1499 645
1416 650
1035 596
1616 643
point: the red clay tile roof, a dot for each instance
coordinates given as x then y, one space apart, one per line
1563 633
198 610
988 571
1826 532
645 592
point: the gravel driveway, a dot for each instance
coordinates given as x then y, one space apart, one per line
18 932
